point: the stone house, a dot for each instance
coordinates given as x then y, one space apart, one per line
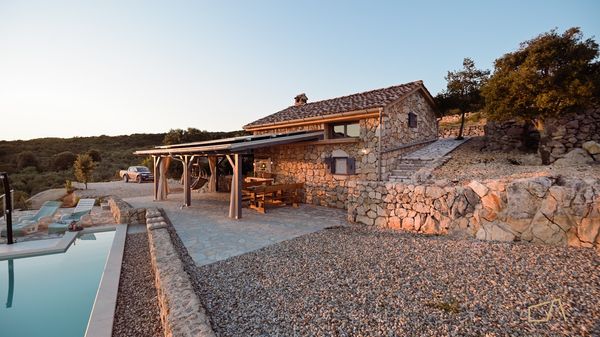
363 136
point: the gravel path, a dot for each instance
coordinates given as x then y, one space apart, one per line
120 189
137 312
358 282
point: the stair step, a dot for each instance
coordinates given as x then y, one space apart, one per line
409 167
403 172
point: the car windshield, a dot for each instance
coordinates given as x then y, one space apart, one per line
142 169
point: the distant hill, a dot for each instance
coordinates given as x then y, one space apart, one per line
35 165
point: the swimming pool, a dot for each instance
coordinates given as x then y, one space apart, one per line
53 295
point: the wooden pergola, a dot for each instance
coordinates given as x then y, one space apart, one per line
231 149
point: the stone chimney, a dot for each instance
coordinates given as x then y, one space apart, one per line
300 99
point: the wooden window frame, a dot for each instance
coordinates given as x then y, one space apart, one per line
331 133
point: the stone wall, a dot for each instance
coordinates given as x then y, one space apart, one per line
550 210
123 213
505 136
451 131
565 133
395 121
181 311
306 164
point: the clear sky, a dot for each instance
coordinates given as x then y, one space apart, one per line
80 68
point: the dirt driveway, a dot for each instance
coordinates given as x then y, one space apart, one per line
120 189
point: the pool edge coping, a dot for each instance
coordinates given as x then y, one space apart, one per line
61 244
100 323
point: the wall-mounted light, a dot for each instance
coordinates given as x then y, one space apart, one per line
364 151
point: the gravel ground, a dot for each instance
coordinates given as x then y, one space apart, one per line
469 162
120 189
360 282
137 312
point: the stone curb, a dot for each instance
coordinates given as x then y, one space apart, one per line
181 311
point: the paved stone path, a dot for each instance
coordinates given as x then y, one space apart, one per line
428 157
435 150
210 236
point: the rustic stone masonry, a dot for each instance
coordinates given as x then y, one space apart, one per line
307 163
181 311
123 213
447 131
565 133
550 210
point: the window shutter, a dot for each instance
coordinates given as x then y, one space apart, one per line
412 120
350 166
330 162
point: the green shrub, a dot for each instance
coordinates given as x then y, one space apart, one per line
27 159
64 160
95 155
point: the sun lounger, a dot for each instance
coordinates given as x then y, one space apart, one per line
29 224
83 208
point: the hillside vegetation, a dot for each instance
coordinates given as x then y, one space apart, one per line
39 164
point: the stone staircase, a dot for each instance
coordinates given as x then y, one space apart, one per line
424 160
406 168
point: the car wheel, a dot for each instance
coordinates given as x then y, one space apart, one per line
126 178
138 179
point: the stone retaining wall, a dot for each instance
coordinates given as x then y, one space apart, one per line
565 133
550 210
124 213
446 131
181 311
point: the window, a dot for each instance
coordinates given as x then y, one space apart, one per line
412 120
346 130
342 165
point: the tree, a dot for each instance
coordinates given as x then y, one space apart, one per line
95 154
548 76
463 91
84 167
27 159
64 160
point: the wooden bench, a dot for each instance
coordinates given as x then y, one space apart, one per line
276 195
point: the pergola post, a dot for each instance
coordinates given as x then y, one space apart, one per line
156 171
235 199
212 182
187 195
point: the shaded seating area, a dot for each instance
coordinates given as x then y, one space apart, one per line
231 150
261 196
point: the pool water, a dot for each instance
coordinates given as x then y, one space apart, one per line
53 295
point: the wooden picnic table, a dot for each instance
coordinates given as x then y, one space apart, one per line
277 195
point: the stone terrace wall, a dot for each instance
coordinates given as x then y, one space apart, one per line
446 131
550 210
123 213
566 133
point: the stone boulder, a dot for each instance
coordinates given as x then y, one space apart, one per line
575 157
591 147
494 231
